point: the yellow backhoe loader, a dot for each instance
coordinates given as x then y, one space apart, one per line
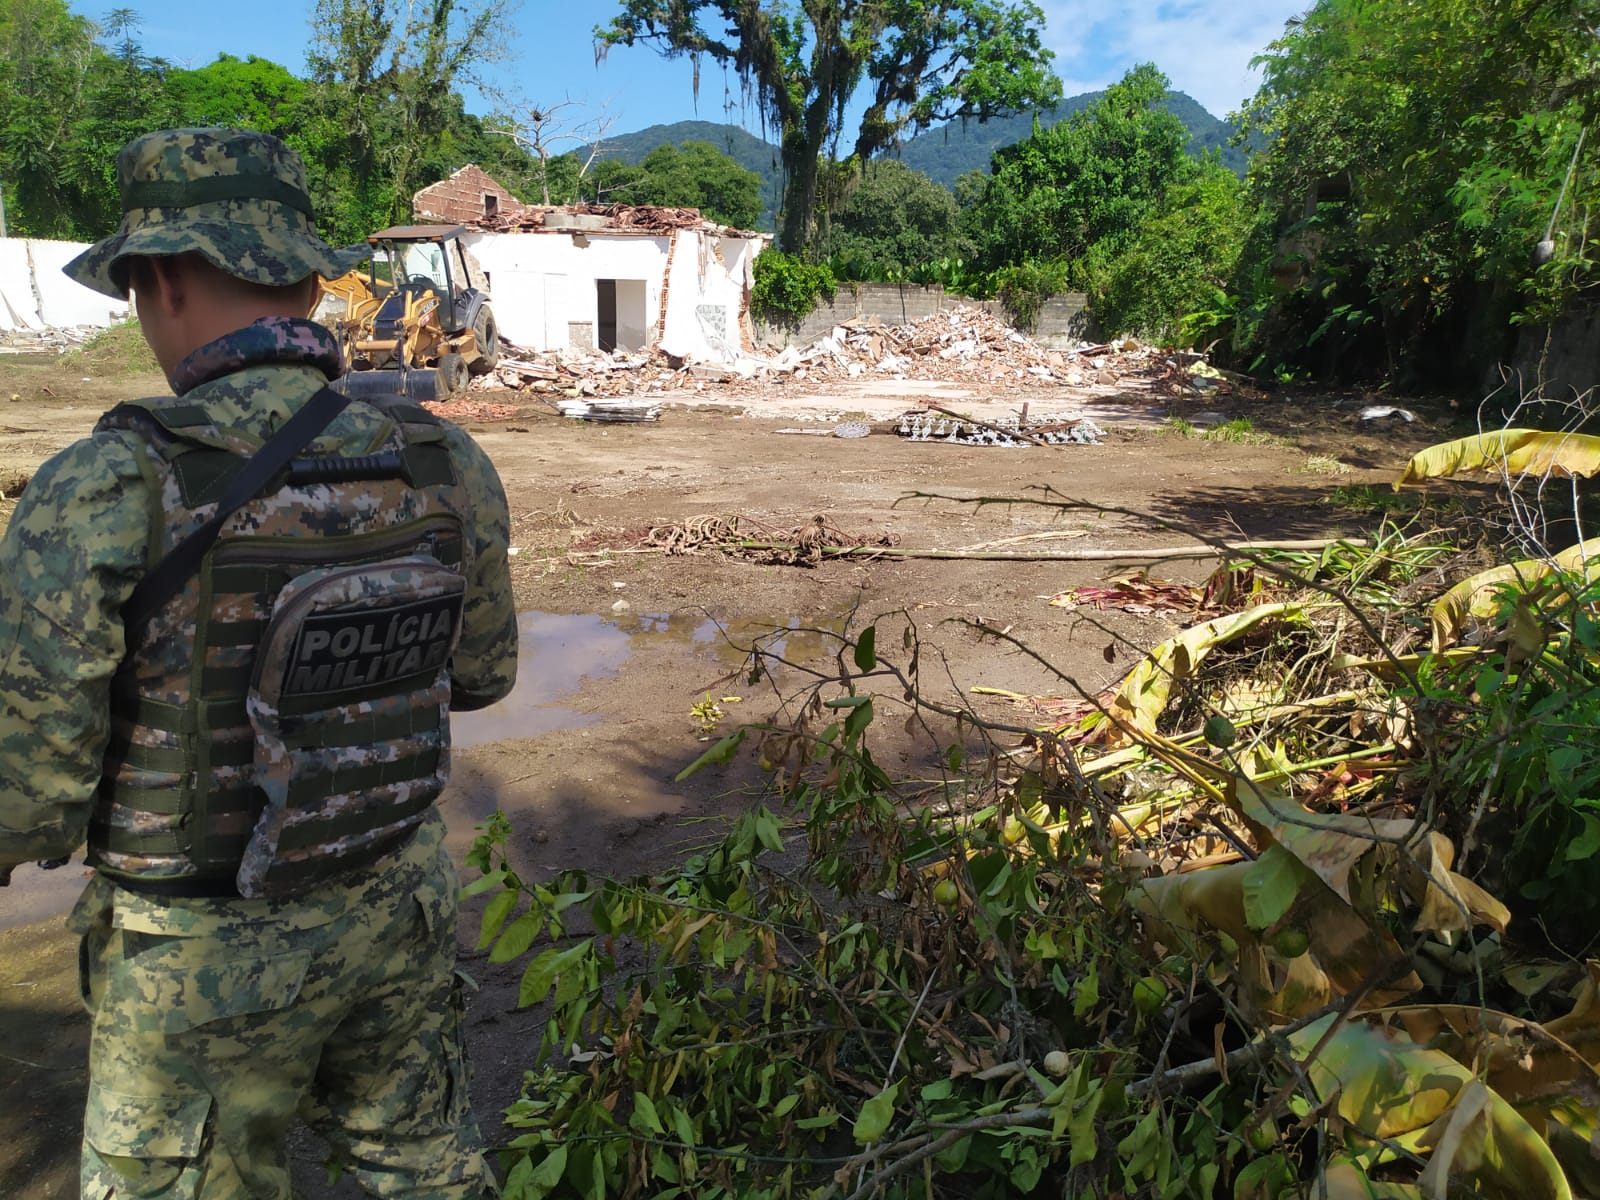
413 324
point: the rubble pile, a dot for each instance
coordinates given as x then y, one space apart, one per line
46 341
961 345
638 218
966 345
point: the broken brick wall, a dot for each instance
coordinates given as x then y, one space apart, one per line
466 198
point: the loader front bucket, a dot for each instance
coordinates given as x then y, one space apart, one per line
419 383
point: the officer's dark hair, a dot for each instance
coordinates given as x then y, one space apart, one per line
301 294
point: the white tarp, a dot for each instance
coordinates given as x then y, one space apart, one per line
35 294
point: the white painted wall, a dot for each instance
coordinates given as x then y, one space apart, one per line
35 294
541 283
19 306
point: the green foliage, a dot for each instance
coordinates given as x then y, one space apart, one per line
1109 201
380 117
384 118
698 175
786 287
1088 180
786 1019
920 62
1174 262
251 93
71 93
114 351
1416 155
1024 287
895 224
1522 750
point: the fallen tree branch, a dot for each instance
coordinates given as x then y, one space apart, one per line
1087 555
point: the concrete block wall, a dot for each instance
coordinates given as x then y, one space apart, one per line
459 199
1063 321
1572 358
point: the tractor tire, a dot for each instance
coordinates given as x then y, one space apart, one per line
453 375
487 335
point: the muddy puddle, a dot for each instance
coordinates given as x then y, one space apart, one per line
559 655
559 652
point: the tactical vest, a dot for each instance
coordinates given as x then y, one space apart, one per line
284 722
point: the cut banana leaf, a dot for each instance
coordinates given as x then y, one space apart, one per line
1509 451
1480 596
1142 696
1331 844
1384 1085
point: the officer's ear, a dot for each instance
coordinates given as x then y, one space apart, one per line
158 284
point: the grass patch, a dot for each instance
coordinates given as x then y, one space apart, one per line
1371 498
1240 430
117 350
1323 464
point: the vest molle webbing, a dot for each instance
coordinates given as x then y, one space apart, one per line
349 753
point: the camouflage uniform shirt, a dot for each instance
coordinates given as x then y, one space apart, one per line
81 538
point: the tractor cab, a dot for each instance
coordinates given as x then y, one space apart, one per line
415 324
417 258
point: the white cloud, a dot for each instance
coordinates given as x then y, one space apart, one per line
1203 48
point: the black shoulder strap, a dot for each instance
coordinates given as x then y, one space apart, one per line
169 575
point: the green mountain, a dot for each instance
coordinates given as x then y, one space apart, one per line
942 154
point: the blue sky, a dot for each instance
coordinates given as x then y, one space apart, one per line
1204 48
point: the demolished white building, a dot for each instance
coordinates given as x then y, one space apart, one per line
35 295
604 277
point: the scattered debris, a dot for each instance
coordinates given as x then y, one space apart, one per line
46 341
635 218
845 429
968 431
1377 412
1135 593
805 546
960 345
610 410
462 409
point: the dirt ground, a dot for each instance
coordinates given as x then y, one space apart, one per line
615 653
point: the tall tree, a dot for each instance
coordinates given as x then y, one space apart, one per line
45 57
1416 156
386 98
698 175
919 62
540 128
896 220
249 93
1084 181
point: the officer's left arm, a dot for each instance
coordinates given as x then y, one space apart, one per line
484 667
72 551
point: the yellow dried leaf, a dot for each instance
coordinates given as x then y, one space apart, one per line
1479 595
1388 1086
1142 696
1508 451
1331 844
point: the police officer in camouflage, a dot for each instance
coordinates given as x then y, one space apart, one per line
252 749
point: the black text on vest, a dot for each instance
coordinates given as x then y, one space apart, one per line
350 649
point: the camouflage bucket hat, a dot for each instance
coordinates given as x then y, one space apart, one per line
235 197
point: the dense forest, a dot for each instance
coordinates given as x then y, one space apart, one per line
1421 182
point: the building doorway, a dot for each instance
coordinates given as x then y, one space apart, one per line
622 321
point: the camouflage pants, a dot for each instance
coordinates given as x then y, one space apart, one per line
216 1022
